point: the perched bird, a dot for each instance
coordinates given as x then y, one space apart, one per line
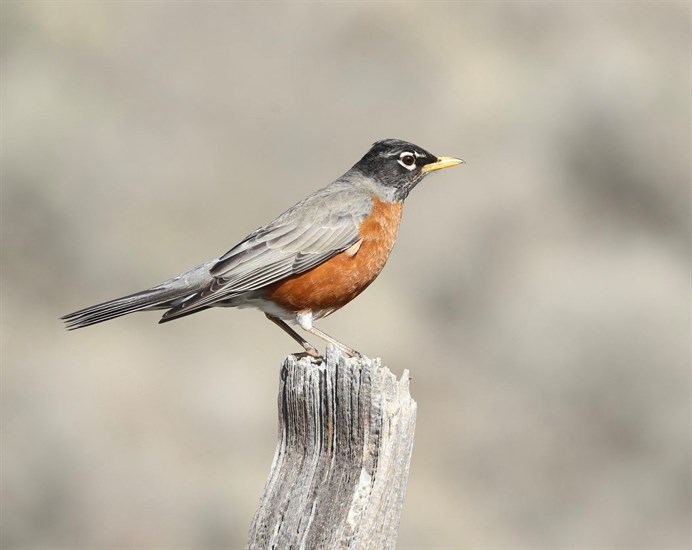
308 262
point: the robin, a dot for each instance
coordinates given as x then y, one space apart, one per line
308 262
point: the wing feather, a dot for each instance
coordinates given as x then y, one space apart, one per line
303 237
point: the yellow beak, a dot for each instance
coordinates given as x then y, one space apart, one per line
441 162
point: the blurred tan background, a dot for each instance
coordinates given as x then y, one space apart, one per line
539 295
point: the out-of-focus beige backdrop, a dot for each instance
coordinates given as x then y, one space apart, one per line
539 294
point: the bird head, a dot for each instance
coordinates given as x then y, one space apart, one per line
399 165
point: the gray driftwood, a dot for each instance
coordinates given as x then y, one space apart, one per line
339 473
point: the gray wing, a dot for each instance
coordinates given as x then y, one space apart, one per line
314 230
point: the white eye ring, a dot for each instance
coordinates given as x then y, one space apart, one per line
407 160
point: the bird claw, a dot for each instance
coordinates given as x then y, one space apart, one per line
312 353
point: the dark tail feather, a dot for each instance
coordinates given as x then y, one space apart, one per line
156 298
167 318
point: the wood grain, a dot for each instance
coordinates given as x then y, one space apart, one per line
339 474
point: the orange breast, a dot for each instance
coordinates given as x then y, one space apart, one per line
337 281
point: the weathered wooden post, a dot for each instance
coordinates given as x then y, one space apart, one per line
339 474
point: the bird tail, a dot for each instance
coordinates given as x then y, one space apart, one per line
154 298
163 296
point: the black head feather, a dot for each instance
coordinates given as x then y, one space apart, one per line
396 164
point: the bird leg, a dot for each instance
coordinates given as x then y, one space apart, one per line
311 350
305 318
349 351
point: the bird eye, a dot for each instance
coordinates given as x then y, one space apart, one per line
407 160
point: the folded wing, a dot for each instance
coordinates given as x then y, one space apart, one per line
302 238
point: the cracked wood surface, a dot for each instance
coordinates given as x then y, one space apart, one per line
339 474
